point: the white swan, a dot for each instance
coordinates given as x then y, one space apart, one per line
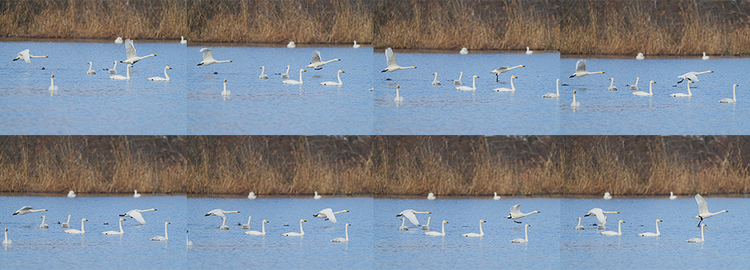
338 76
189 243
691 240
7 241
263 229
556 94
162 238
511 89
692 76
458 82
121 232
208 58
650 92
67 223
515 213
703 209
526 234
166 77
473 85
607 196
672 196
247 226
398 98
579 227
53 87
286 75
120 77
356 46
114 69
431 196
26 57
346 228
223 226
657 234
575 103
293 81
435 81
391 60
528 52
135 194
291 45
136 214
599 214
183 40
705 57
316 196
74 231
90 71
300 233
316 63
427 226
635 86
433 233
689 94
27 209
503 70
263 75
612 86
132 57
118 40
328 214
480 234
619 230
496 197
464 50
403 227
409 214
219 212
640 56
224 92
71 194
43 225
251 196
734 96
581 70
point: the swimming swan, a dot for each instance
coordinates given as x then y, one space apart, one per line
67 223
458 82
641 93
7 241
496 197
316 196
328 214
338 76
691 240
263 229
734 96
219 212
135 194
43 225
705 57
526 234
409 214
121 232
503 89
575 103
557 91
464 50
293 81
90 71
120 77
162 238
183 40
346 228
166 77
208 58
391 59
71 194
118 40
189 243
579 227
503 70
640 57
247 226
26 56
657 234
136 214
607 196
291 45
431 196
74 231
635 86
53 87
132 57
27 209
316 63
435 81
224 92
433 233
599 214
612 86
356 46
251 196
114 69
480 234
223 226
263 75
528 52
300 233
398 98
286 75
581 70
692 76
703 209
473 85
403 227
427 226
672 196
515 213
619 230
689 94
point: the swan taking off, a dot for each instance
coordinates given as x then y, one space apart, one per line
556 94
689 94
263 229
135 194
458 82
703 209
162 238
391 59
503 89
316 63
300 233
67 223
43 225
403 227
435 81
575 103
692 76
316 196
53 87
705 57
120 77
26 209
136 214
224 92
691 240
121 232
74 231
224 226
515 213
431 196
7 241
599 214
251 196
219 212
409 214
581 70
286 75
607 196
496 197
293 81
579 227
433 233
473 85
398 98
427 226
338 76
291 45
528 52
208 58
657 234
356 46
612 86
118 40
132 57
346 228
263 75
641 93
524 240
480 234
114 69
640 56
503 70
166 77
90 71
672 196
26 56
619 230
734 96
183 40
328 214
464 51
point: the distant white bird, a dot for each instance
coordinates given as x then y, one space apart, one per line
300 233
135 194
526 236
635 86
496 197
118 40
293 81
120 77
27 209
26 57
480 234
528 52
403 227
219 212
599 214
581 70
114 69
557 91
74 231
650 91
650 234
251 196
356 46
464 51
734 96
67 223
575 103
431 196
391 60
504 89
398 98
692 76
473 85
427 226
224 92
286 75
703 209
291 45
132 57
672 196
640 56
433 233
166 77
619 230
579 227
691 240
263 75
458 82
409 214
328 214
189 243
499 70
136 214
247 226
208 58
263 229
7 241
705 57
90 71
515 213
338 76
53 87
346 228
689 94
612 86
224 226
607 196
183 40
435 81
43 225
317 197
316 63
121 232
162 238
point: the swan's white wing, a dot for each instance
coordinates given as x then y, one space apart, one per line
207 54
137 216
691 76
25 56
411 217
581 65
515 210
702 205
600 216
130 49
390 58
29 208
325 213
332 218
315 58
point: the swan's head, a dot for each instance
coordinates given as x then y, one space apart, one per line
130 65
558 79
611 79
53 75
302 70
153 54
262 67
82 220
165 223
89 63
265 221
528 225
475 76
168 67
652 82
710 71
482 221
574 92
658 220
523 66
122 219
735 85
445 221
622 221
302 220
513 77
341 71
225 80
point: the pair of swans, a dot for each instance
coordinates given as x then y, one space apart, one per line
515 213
650 234
524 240
53 87
251 196
300 233
689 94
463 50
734 96
316 63
473 85
435 82
263 229
74 231
581 70
293 81
599 214
130 54
433 233
162 238
328 214
504 89
644 94
692 76
121 232
166 77
410 215
316 196
120 77
691 240
557 91
398 98
26 57
499 70
338 76
43 225
135 194
339 239
208 58
27 209
703 212
391 60
431 196
136 214
612 233
612 86
480 234
90 71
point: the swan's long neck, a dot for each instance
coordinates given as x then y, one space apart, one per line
68 219
396 97
52 81
511 84
248 220
434 80
43 218
474 83
166 77
300 228
461 75
701 234
287 70
165 230
611 82
403 221
225 88
657 228
526 233
557 91
121 231
262 70
127 71
82 226
689 93
263 227
326 62
579 221
347 232
115 67
428 220
338 76
6 235
734 97
652 93
223 222
636 80
90 64
443 228
300 79
619 227
574 98
480 228
187 239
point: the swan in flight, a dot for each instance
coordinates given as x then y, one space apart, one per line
391 59
132 57
118 40
515 213
511 89
427 226
635 86
136 214
435 81
7 241
208 58
338 76
121 232
473 85
189 243
26 209
67 223
640 56
433 233
480 234
398 98
409 214
672 196
43 225
575 103
607 196
224 226
692 76
71 194
74 231
599 214
166 77
291 45
316 63
346 229
286 75
641 93
503 70
300 233
579 227
703 209
356 46
705 57
328 214
464 50
247 226
183 40
251 196
162 238
528 52
293 81
263 229
581 70
458 82
557 91
263 75
689 94
496 197
619 230
26 57
526 234
734 96
135 194
691 240
316 196
53 87
219 212
403 227
612 86
90 71
431 196
114 69
224 92
657 234
120 77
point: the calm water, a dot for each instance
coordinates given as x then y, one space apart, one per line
375 241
